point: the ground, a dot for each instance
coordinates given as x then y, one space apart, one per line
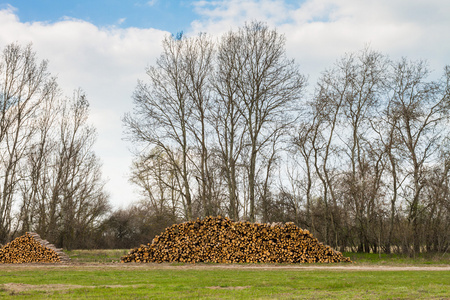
98 274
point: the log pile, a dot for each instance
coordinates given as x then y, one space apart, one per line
219 240
30 248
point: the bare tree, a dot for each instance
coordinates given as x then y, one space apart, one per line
421 109
436 217
384 127
268 89
363 84
271 157
163 112
256 88
302 141
197 57
22 88
157 178
48 168
81 188
226 119
326 109
63 196
35 170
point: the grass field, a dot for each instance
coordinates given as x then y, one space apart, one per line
92 275
399 259
96 256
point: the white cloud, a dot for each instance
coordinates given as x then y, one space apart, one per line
320 31
220 16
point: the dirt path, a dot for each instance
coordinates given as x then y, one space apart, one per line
17 288
155 266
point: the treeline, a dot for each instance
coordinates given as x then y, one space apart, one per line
50 178
227 128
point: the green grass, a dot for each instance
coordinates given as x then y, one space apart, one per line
96 274
96 256
141 282
399 259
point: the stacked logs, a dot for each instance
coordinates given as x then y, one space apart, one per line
30 248
219 240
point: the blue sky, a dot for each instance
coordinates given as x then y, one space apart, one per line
172 16
104 46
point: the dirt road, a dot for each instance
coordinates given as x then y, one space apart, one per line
201 266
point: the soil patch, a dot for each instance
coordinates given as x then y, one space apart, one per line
19 288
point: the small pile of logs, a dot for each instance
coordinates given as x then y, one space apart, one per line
30 248
219 240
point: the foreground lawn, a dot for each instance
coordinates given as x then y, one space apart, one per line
133 281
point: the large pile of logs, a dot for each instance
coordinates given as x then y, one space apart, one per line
219 240
30 248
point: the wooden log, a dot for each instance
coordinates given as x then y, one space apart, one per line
30 248
221 240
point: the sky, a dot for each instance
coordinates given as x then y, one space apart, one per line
104 46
